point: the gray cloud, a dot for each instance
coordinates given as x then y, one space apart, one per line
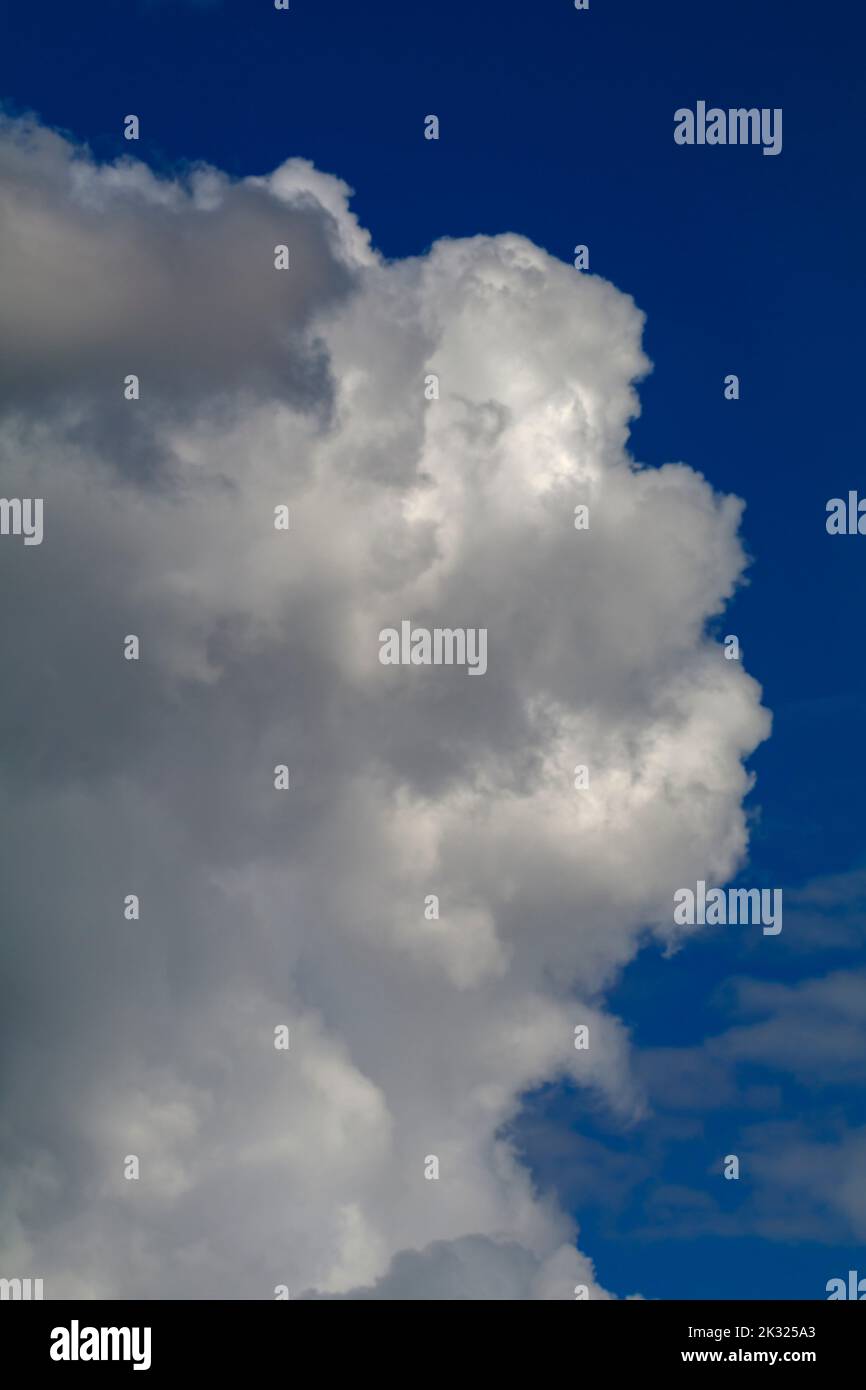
814 1030
474 1267
109 270
805 1043
827 913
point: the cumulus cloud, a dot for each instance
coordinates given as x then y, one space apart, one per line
259 647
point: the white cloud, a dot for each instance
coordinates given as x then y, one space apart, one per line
815 1029
409 1037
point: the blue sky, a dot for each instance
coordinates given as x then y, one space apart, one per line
558 125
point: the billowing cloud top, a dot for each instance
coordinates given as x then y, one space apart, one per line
409 1037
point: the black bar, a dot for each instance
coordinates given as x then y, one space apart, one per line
216 1339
